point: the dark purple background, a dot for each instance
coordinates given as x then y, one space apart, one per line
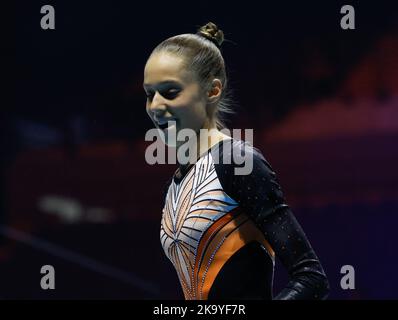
322 102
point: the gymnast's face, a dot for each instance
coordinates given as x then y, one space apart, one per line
173 94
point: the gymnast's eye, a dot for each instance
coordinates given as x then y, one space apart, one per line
170 94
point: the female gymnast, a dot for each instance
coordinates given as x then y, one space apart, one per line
221 230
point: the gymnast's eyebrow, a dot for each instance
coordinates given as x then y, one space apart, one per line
162 84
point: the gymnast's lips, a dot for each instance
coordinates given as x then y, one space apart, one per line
164 123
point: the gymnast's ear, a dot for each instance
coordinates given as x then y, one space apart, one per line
215 91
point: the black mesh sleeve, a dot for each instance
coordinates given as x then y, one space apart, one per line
291 246
260 195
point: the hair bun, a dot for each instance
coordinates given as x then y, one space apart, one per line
211 32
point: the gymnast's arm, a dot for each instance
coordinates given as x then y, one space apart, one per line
286 237
261 196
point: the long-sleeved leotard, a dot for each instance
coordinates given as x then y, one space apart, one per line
222 230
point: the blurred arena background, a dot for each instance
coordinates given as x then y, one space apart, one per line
76 192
